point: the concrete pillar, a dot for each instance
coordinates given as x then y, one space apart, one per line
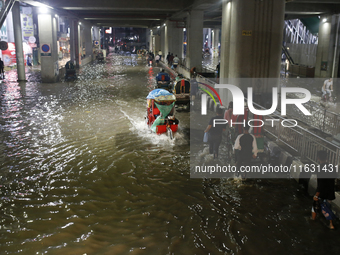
152 41
215 42
87 39
225 50
207 38
157 43
175 39
165 38
98 36
72 47
254 49
326 55
48 36
77 43
74 37
18 42
148 37
194 40
81 41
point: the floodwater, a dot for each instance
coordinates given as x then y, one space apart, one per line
81 174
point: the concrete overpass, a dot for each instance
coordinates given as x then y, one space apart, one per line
153 13
250 31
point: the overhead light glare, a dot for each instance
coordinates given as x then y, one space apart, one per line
43 9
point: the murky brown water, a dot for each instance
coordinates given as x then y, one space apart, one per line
80 173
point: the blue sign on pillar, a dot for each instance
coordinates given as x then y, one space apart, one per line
45 50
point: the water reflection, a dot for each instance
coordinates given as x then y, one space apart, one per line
80 173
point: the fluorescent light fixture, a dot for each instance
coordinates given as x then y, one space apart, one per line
184 29
36 3
324 20
164 24
43 9
158 26
79 23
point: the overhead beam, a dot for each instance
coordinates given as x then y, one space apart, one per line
316 8
119 5
316 1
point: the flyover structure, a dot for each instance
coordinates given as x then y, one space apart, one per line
248 32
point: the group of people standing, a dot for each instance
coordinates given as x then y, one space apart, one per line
245 142
173 61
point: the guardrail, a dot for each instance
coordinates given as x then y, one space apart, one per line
321 118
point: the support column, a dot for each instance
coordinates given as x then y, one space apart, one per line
48 36
194 40
148 38
19 51
72 41
328 31
80 41
254 49
151 45
215 42
164 41
225 50
157 42
207 39
88 39
175 39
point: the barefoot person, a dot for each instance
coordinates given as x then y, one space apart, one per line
325 191
215 132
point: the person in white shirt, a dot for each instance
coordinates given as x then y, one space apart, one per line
246 143
175 62
160 53
157 58
327 87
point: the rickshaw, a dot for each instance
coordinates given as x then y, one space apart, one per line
182 92
70 71
100 56
161 112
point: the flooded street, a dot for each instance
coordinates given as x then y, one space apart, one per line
80 173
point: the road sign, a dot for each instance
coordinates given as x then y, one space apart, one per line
31 39
247 32
45 50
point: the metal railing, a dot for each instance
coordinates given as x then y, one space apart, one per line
302 141
321 118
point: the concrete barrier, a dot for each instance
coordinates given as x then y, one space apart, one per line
86 60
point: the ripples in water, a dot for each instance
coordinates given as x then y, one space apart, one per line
80 173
